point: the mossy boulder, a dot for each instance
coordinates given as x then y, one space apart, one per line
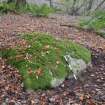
41 61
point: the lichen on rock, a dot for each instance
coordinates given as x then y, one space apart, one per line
75 65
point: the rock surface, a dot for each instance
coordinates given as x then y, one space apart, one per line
76 65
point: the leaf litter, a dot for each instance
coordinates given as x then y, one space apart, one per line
89 90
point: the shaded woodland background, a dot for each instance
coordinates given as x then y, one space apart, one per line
71 7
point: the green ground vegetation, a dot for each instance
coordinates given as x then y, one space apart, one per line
96 22
36 10
42 59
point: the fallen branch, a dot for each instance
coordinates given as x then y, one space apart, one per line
74 26
84 29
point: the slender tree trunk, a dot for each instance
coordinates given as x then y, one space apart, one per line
50 2
73 7
101 3
81 6
90 5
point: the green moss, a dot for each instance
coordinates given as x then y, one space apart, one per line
5 53
43 59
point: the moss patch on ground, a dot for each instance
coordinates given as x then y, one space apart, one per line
42 59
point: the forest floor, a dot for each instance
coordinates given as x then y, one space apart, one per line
89 90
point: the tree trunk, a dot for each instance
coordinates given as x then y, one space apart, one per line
50 2
101 3
90 5
73 8
11 1
20 3
81 6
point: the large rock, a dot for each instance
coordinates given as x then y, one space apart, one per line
41 60
75 65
